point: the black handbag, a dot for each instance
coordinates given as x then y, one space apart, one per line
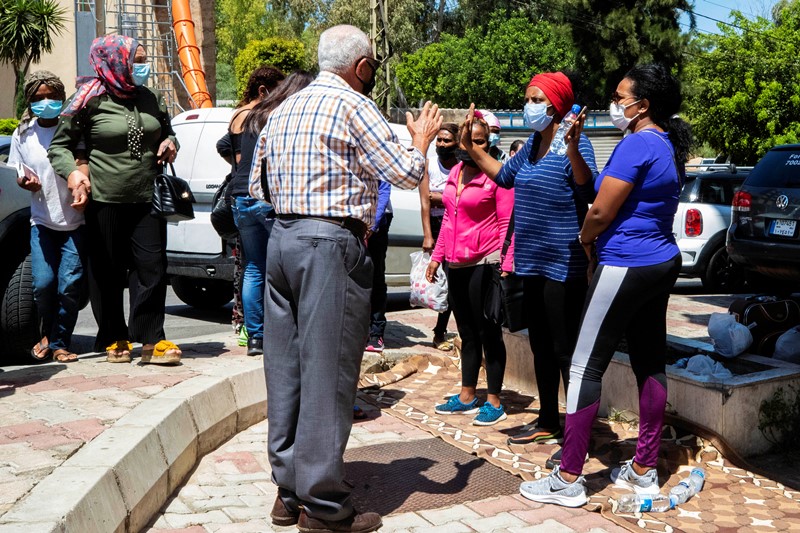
222 212
172 197
504 303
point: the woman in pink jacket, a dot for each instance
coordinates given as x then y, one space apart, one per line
477 213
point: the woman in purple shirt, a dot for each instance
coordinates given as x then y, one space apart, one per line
629 227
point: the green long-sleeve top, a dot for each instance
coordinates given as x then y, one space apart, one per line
122 157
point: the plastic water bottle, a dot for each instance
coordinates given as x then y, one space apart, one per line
639 503
688 487
558 146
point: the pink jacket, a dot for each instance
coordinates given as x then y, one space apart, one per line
476 225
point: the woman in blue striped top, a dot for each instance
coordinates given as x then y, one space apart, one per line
551 197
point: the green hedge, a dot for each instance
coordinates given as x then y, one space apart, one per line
285 54
8 125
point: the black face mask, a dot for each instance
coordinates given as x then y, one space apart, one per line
369 84
464 157
446 152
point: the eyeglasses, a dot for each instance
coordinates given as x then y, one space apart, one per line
617 98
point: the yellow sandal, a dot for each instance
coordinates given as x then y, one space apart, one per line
163 353
119 352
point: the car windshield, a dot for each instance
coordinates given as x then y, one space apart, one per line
779 168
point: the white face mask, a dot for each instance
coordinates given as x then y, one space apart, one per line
535 116
617 114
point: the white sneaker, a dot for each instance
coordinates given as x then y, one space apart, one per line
553 489
626 477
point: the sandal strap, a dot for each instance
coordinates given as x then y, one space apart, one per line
121 345
164 346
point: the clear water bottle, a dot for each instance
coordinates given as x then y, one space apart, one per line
558 146
688 487
640 503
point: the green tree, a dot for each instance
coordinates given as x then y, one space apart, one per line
286 54
490 69
612 37
26 32
744 85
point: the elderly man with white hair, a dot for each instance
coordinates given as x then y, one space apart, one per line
324 152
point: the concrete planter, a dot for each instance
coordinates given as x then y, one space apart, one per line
728 407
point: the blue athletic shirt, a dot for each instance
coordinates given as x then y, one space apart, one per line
641 234
549 209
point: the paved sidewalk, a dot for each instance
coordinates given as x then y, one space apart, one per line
107 430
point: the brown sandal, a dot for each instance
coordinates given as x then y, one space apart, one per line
64 356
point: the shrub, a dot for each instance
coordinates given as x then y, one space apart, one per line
285 54
8 125
779 419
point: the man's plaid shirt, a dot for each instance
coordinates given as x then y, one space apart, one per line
325 149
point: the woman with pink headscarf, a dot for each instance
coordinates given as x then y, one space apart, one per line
551 196
126 131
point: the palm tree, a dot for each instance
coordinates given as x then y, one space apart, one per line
26 32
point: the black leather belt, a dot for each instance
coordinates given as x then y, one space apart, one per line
355 226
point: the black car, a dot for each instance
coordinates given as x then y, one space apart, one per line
764 234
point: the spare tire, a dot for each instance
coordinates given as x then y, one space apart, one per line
19 320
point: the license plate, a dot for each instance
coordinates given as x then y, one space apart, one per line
783 228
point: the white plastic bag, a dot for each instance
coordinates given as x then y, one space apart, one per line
424 294
728 336
787 347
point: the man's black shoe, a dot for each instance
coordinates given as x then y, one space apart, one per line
255 346
356 523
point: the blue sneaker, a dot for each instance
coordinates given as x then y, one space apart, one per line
455 406
489 415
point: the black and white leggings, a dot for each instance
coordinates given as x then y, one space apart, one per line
629 301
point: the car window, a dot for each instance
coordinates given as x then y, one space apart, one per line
718 191
688 193
778 168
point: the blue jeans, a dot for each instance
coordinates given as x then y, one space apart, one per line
254 218
57 262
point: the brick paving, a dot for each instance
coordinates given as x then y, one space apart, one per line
48 412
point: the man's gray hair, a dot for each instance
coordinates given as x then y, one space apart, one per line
340 47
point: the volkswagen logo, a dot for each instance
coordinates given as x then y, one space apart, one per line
782 201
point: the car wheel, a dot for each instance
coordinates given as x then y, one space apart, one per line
19 320
722 274
202 293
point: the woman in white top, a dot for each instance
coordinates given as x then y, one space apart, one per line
430 192
57 230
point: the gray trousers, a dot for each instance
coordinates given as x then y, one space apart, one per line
317 304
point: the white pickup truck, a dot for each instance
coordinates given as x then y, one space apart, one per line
199 261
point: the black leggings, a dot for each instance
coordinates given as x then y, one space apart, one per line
479 336
554 312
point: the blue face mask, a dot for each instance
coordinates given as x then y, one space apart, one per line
140 73
47 108
494 139
535 116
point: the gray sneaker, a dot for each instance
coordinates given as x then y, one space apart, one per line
626 477
553 489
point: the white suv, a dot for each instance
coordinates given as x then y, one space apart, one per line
701 223
199 262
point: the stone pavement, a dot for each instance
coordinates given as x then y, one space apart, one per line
92 446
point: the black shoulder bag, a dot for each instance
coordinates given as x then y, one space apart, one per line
504 303
172 197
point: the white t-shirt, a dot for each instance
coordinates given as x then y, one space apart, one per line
50 205
437 179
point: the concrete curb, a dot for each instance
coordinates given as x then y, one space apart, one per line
119 481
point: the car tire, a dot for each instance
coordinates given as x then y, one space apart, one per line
19 319
202 293
722 275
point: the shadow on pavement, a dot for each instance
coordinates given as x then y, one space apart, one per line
10 380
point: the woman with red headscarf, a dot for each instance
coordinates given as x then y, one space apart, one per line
125 129
551 196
